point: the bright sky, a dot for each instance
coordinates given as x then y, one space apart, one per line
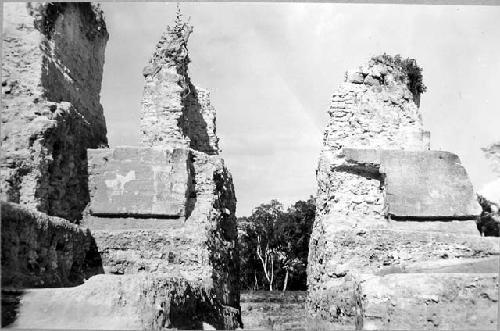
271 69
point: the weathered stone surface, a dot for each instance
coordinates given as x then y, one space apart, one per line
382 250
276 310
133 302
163 214
202 246
420 184
53 55
367 116
43 251
140 182
174 111
385 205
428 301
137 192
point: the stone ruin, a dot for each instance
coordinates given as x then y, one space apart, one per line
52 62
394 243
144 237
150 230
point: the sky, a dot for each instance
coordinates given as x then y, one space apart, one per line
272 68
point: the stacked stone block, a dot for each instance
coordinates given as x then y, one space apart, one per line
388 211
168 207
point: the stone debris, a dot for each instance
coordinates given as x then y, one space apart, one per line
390 209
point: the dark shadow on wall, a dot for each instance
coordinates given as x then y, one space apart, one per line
68 172
191 194
193 124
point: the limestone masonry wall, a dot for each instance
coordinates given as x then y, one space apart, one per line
53 55
174 111
387 206
168 207
370 110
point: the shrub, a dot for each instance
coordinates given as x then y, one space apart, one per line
410 72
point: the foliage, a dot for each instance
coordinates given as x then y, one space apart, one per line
409 69
274 245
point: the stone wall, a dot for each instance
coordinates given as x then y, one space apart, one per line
372 109
430 301
168 207
386 204
53 55
174 111
44 251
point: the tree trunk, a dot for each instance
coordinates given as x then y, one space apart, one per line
286 281
272 275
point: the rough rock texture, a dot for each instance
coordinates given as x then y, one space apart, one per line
385 204
43 251
147 302
174 111
264 310
143 182
416 301
168 207
418 184
201 248
53 55
382 115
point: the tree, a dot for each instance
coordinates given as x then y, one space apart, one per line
274 245
266 219
295 230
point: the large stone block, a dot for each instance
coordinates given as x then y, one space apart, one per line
418 301
421 184
140 182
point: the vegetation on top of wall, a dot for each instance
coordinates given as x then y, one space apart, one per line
411 73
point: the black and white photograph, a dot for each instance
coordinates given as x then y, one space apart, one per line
257 165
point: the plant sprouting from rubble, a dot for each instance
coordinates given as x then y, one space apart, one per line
182 28
411 73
